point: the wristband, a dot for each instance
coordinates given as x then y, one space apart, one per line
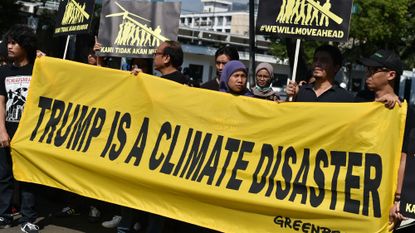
397 197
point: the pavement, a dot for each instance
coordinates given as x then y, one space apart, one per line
50 201
75 224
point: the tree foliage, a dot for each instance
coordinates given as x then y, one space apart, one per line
376 24
387 24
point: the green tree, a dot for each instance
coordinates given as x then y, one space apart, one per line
376 24
383 24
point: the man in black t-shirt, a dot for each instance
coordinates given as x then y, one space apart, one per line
326 63
168 58
14 84
382 69
408 186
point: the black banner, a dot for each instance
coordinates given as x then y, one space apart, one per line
74 17
307 19
135 29
407 205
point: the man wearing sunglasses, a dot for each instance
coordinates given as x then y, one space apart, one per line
327 61
383 70
168 59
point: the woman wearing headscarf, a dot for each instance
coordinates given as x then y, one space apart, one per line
264 74
234 78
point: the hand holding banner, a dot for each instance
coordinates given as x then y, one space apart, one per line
231 163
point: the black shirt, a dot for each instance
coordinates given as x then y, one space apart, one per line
211 85
365 96
408 147
14 86
334 94
409 136
176 76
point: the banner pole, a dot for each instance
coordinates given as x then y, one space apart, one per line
252 51
297 52
66 47
294 74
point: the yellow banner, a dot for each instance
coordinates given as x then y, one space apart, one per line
231 163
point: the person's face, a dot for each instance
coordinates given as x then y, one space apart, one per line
14 51
220 62
237 82
160 59
377 78
263 78
323 66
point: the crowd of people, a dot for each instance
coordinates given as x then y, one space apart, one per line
231 76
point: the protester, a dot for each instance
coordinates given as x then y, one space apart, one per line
382 70
142 65
234 78
222 56
73 203
168 59
264 75
14 85
326 63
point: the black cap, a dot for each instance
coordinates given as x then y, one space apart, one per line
384 58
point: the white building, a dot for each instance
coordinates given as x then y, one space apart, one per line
218 17
201 34
32 7
228 22
199 47
216 6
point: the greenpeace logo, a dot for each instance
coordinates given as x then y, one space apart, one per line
300 226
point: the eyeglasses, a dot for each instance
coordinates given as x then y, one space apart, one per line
373 70
157 53
260 76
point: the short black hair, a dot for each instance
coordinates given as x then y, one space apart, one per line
25 37
334 52
229 51
174 50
